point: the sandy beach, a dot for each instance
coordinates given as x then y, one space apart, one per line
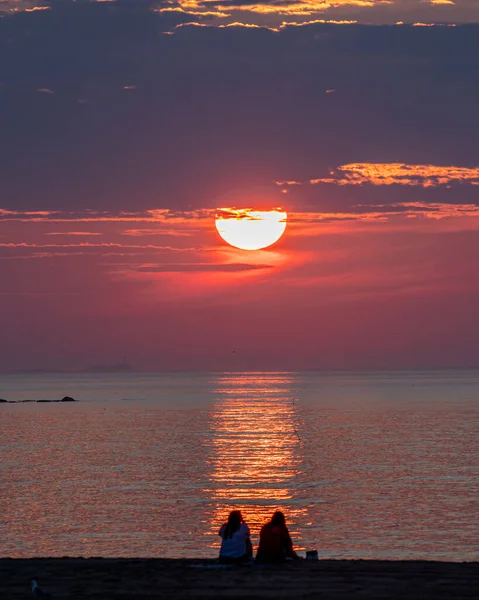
138 579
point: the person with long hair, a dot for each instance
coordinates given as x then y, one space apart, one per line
236 545
275 544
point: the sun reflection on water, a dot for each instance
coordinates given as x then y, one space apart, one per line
254 452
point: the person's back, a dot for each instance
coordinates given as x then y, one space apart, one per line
235 539
275 543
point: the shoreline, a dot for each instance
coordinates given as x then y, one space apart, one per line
147 578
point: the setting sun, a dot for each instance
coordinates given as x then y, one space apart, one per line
250 229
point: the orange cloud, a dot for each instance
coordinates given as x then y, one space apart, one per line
400 174
35 8
223 26
285 24
203 13
293 8
250 214
434 25
281 27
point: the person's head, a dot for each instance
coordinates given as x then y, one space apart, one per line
278 518
235 519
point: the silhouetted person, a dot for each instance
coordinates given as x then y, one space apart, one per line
275 543
236 545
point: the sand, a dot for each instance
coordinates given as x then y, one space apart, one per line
141 579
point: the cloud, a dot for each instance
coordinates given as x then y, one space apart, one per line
400 174
434 24
268 12
154 232
187 11
199 267
249 11
402 211
156 146
437 211
281 27
156 216
249 214
88 245
68 233
6 214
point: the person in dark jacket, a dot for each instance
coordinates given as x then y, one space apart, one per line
275 543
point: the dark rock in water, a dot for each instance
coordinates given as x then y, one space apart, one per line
65 399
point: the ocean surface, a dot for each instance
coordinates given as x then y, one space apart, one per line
376 465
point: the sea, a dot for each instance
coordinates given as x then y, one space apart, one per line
364 465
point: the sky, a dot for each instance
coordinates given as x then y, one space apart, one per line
126 125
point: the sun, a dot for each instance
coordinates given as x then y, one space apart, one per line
249 229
